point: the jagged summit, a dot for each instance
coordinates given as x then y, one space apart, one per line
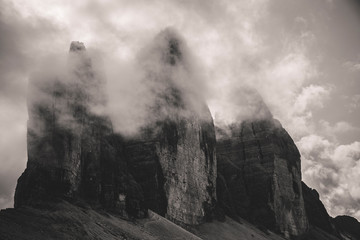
67 142
178 141
171 78
172 46
77 46
248 106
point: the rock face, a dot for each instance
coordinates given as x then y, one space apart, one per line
72 150
174 157
260 176
315 210
342 227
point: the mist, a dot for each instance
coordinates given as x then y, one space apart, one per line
300 58
135 87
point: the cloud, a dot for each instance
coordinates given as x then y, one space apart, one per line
332 169
332 131
311 97
163 65
352 66
21 40
353 103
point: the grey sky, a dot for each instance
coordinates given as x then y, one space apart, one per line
302 56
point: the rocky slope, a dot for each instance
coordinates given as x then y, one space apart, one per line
63 220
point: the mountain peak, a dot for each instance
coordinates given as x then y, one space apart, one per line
171 45
77 46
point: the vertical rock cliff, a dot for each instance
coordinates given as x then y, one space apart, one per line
174 158
260 175
72 151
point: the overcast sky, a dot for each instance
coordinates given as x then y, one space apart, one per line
303 57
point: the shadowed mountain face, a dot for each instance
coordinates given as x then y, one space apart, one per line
316 211
260 176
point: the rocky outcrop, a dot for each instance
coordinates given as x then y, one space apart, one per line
173 158
315 210
340 227
260 176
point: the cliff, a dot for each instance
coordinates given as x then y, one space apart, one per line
260 176
173 158
73 152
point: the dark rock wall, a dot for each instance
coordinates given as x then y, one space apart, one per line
316 211
260 173
177 170
71 150
143 164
